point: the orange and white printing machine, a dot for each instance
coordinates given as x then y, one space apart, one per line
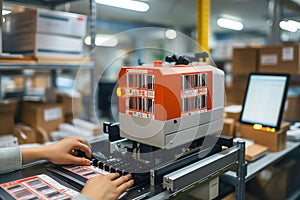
170 120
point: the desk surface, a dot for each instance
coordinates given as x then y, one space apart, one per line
253 168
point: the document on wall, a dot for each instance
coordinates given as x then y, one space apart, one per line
37 187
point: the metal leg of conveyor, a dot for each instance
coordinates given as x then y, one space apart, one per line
241 172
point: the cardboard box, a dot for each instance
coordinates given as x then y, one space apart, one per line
19 81
207 191
42 117
40 82
280 58
255 151
32 82
43 45
233 111
25 134
228 127
293 107
7 112
71 104
275 141
69 118
235 89
244 60
46 21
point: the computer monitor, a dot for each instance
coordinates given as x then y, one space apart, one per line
265 99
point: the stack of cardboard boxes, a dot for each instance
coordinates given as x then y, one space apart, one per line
44 33
269 59
32 121
245 61
283 59
274 58
280 58
72 104
7 111
42 117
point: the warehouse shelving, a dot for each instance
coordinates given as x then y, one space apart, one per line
44 66
18 66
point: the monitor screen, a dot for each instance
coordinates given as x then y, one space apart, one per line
264 99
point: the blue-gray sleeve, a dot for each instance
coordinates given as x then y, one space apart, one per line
10 159
81 197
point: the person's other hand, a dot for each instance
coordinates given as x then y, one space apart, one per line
107 187
65 151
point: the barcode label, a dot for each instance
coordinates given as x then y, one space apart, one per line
86 171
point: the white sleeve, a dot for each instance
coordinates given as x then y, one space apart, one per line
10 159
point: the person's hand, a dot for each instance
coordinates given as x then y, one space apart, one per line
107 187
62 152
65 151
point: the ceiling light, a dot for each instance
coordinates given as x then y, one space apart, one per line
287 26
230 24
294 23
171 34
102 40
126 4
5 12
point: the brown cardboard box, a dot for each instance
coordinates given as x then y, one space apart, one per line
71 105
32 82
7 111
25 134
19 81
40 81
293 109
233 111
255 151
275 141
280 58
42 117
290 58
69 118
229 127
269 58
235 89
244 60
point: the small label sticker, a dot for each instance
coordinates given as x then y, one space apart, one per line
288 54
137 71
52 114
270 59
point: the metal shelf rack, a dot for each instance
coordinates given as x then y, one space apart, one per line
215 166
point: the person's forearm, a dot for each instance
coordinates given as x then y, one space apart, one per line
34 153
